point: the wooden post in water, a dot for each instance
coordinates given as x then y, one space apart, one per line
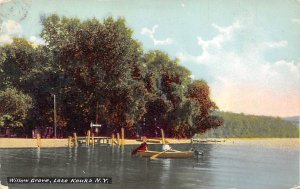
93 139
88 137
70 142
38 140
122 135
118 139
162 136
113 139
75 139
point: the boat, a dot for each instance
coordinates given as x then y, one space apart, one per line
3 186
167 154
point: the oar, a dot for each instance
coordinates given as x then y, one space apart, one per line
154 156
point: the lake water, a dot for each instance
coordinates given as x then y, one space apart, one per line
221 167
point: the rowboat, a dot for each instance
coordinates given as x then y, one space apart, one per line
167 154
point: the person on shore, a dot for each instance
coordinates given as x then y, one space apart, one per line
143 147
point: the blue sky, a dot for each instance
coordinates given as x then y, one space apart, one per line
248 51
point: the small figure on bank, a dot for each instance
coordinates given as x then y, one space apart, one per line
143 147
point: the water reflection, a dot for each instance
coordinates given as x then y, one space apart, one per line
165 173
220 167
36 153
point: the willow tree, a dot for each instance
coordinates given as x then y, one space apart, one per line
99 72
14 107
100 60
175 103
205 119
17 61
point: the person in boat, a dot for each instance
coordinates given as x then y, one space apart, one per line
143 147
166 147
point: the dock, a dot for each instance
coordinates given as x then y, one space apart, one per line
99 140
205 140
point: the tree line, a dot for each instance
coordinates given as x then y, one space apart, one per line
99 73
245 126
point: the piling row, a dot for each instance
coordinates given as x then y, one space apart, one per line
90 139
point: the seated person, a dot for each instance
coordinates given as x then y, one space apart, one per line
143 147
166 147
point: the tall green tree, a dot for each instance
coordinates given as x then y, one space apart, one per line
175 103
99 72
17 60
14 107
101 62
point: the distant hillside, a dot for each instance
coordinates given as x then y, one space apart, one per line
241 125
293 119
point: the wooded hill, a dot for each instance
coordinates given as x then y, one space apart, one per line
294 120
241 125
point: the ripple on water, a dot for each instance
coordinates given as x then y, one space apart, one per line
221 167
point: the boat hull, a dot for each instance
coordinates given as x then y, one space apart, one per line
168 154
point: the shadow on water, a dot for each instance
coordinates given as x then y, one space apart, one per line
221 167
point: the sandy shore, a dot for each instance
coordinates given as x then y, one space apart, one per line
32 143
48 143
265 142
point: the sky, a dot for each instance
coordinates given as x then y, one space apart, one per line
247 51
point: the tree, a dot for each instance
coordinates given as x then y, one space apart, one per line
205 120
174 103
17 60
14 107
99 73
240 125
101 62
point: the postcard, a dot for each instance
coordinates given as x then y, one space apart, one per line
181 94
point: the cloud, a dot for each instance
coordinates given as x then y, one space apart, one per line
8 30
244 80
296 20
36 41
273 44
11 27
150 33
225 34
208 46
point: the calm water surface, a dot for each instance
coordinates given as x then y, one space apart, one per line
221 167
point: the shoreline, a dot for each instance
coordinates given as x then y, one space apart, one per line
293 143
59 143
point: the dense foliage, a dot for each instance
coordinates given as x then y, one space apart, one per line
240 125
14 107
100 73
